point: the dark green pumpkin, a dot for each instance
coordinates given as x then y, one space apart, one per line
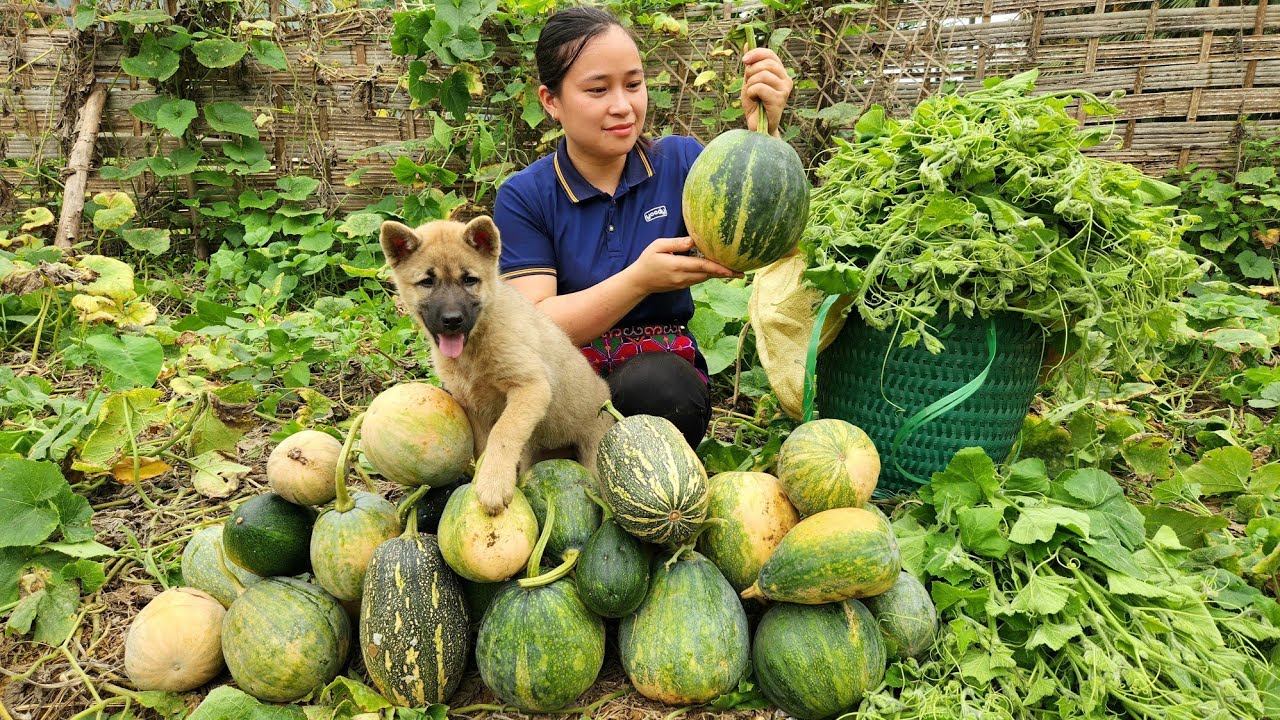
283 638
746 199
907 617
200 567
817 661
652 480
413 622
431 507
565 483
688 642
269 536
613 571
343 542
540 648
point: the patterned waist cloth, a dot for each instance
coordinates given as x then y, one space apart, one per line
615 347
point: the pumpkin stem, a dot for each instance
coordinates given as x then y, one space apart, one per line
762 117
751 593
609 408
604 506
693 541
535 560
343 502
409 504
570 559
222 565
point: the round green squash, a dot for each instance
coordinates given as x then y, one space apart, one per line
652 481
343 541
755 515
613 571
817 661
907 617
834 555
417 434
413 622
688 641
270 536
826 464
283 638
200 567
482 547
539 648
746 199
565 483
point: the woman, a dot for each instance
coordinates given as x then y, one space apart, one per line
593 234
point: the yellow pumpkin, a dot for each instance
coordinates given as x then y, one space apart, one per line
175 643
301 468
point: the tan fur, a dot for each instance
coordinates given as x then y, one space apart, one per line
526 389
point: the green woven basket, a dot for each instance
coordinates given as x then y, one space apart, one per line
865 379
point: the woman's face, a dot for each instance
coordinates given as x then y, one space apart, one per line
603 98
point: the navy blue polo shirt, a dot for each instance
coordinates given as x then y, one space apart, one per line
553 222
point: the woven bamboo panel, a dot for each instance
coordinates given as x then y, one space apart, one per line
1192 79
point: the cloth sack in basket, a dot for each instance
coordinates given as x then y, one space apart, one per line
783 311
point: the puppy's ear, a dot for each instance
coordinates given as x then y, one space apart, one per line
482 235
398 242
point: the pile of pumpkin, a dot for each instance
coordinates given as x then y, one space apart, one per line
654 543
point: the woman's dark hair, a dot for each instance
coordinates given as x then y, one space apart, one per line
563 38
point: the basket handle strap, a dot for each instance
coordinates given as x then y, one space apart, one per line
811 357
943 405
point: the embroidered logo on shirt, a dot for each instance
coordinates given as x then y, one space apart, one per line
654 213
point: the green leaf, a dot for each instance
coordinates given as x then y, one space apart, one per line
152 240
1043 595
139 18
297 189
721 354
121 411
1054 636
13 560
27 490
454 94
1252 265
153 61
1028 477
706 325
361 224
968 478
1149 456
175 116
148 111
1261 175
1237 340
980 531
218 52
355 695
268 53
1038 524
74 519
230 117
137 360
85 549
1120 584
181 161
85 15
228 703
1189 528
56 617
1089 485
1222 471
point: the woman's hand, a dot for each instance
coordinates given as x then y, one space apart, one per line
660 269
765 80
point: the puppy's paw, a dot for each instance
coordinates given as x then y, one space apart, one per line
493 493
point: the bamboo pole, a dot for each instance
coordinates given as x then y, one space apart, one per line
81 156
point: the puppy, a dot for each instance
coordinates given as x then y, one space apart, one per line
523 384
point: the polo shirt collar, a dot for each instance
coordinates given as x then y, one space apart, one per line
636 170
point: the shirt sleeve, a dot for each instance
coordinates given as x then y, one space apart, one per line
527 248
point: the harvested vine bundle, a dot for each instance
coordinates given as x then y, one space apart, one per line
984 203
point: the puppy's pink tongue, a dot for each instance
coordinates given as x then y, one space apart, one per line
451 345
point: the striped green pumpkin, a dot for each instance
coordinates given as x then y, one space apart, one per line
540 648
688 642
343 542
755 515
746 199
283 638
834 555
907 617
817 661
565 483
828 463
613 571
413 622
200 568
653 482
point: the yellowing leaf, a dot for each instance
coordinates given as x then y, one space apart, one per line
115 279
216 476
148 467
116 209
36 217
704 77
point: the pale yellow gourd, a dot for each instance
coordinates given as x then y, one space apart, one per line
300 469
175 643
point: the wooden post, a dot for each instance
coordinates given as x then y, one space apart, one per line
81 156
